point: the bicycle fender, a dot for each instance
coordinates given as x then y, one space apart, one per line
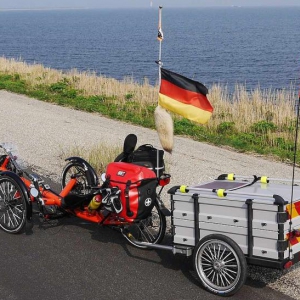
163 209
24 189
90 169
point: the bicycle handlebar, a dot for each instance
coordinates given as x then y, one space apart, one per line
32 177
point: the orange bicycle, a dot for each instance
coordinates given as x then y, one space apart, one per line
127 199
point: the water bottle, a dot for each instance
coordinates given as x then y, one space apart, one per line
95 203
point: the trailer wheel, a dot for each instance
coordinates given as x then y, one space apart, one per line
220 264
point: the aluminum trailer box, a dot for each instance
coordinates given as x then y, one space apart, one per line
255 219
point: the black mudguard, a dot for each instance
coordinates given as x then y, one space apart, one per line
24 189
91 172
162 208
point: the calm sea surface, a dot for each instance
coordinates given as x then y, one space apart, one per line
253 46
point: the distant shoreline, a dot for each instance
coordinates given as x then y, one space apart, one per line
149 7
50 8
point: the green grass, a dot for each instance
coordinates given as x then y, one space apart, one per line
13 83
263 137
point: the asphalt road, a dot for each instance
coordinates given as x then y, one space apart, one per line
71 259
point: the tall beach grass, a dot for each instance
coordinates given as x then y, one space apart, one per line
99 156
259 120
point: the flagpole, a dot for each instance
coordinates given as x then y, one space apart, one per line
294 167
160 38
163 120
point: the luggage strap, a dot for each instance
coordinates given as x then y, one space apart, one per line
128 211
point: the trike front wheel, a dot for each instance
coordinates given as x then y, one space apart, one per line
13 207
83 184
150 230
220 264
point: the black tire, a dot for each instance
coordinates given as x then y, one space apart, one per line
151 230
13 205
84 184
220 265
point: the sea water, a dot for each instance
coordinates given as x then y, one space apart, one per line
251 46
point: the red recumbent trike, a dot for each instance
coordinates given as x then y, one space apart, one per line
127 199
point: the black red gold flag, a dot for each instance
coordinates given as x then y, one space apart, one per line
184 96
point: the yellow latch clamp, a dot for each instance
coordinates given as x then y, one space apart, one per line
230 176
264 179
221 193
182 188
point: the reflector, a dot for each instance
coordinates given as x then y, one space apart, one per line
288 264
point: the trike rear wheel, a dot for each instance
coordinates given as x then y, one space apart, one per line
151 230
13 207
220 264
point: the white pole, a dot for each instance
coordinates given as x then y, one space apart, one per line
160 37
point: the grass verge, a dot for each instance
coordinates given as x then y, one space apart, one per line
98 156
261 121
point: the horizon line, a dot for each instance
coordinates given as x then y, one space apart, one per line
145 7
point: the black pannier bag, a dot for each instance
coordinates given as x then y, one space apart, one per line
149 157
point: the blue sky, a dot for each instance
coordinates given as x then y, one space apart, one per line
140 3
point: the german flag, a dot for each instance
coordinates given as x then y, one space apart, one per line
184 96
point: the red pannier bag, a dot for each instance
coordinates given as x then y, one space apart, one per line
138 189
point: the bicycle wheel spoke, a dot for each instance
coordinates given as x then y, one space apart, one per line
211 275
231 266
150 229
218 266
9 220
210 257
209 269
214 251
221 279
16 216
10 189
219 250
226 256
227 274
145 233
211 253
232 259
3 217
2 190
231 271
206 259
224 276
217 278
13 216
18 208
13 208
221 257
